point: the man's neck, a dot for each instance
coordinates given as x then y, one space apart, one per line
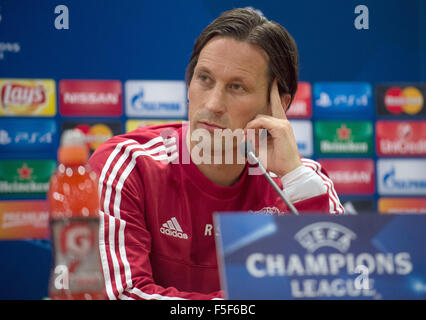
222 174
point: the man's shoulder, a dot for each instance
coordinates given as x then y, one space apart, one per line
149 139
144 135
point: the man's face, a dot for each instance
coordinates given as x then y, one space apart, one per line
229 86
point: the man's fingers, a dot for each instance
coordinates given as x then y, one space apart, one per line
275 99
261 122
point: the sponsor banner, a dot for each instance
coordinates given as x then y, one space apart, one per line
355 206
24 136
401 138
301 107
136 124
25 176
27 97
90 98
28 219
402 205
96 132
335 99
348 137
303 133
401 176
351 176
401 99
365 257
155 99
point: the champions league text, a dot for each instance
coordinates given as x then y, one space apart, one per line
261 265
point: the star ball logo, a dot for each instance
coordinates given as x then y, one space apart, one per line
325 234
408 100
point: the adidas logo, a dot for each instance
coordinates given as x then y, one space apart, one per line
172 228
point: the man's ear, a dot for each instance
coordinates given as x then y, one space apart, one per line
285 101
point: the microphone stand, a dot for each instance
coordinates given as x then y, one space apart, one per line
249 152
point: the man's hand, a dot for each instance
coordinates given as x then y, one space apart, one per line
282 153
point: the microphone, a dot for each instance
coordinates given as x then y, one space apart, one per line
247 150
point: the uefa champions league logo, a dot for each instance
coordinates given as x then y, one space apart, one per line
325 234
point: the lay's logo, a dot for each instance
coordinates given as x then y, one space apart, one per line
27 97
22 95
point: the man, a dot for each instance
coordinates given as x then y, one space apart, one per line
156 232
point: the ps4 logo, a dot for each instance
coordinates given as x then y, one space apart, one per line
325 101
26 137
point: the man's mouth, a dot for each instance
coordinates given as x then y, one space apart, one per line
209 126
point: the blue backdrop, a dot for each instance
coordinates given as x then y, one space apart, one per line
153 40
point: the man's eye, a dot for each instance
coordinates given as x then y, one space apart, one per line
203 78
237 87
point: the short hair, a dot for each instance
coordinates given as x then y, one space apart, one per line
248 26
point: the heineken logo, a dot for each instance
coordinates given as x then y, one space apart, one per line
335 137
343 132
25 172
29 176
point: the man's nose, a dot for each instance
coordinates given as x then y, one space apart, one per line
216 100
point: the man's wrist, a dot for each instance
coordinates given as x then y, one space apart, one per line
289 169
302 183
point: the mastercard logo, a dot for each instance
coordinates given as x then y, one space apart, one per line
95 135
408 100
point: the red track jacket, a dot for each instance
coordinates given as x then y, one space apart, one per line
156 231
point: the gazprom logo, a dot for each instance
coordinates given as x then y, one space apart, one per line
398 177
138 103
325 234
155 98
